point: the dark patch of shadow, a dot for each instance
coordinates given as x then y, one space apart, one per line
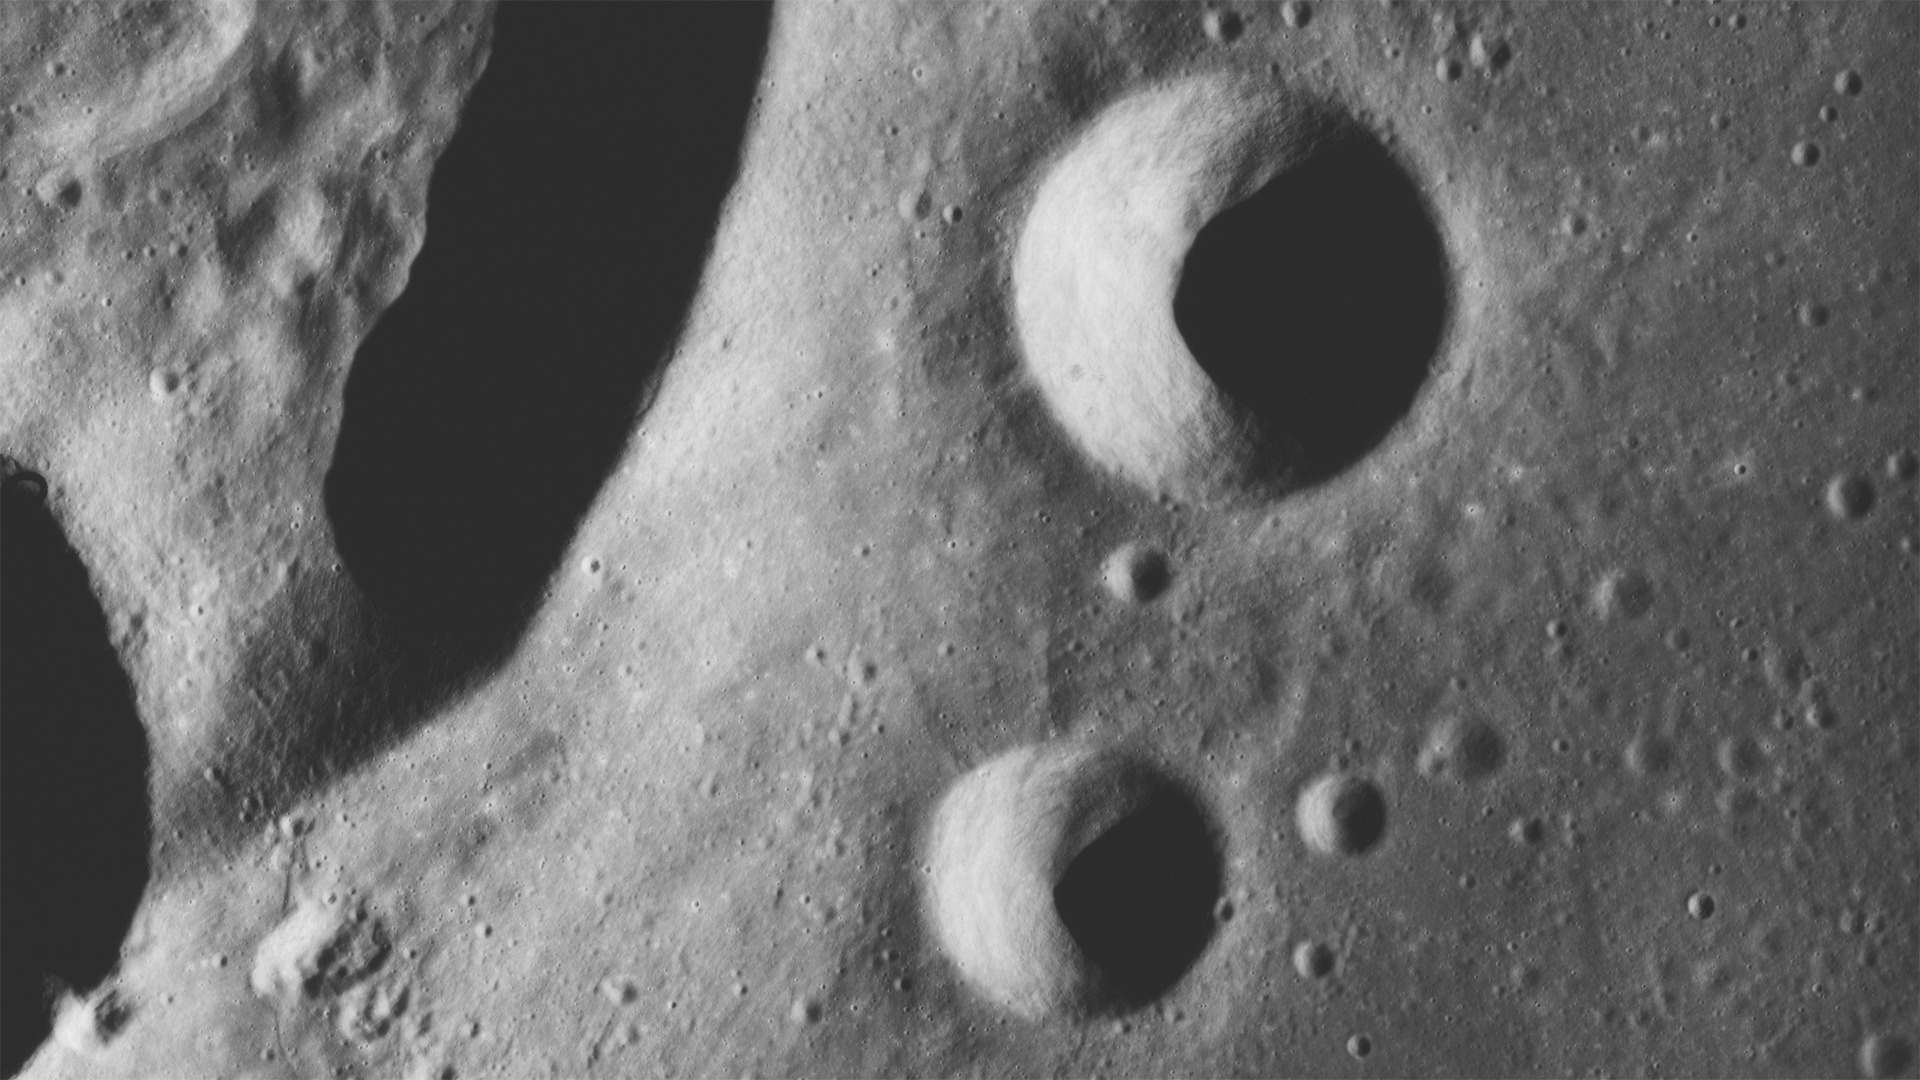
73 776
1317 305
568 223
1151 575
1359 814
1139 900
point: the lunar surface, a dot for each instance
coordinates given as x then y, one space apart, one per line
960 539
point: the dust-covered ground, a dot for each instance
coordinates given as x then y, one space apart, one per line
943 610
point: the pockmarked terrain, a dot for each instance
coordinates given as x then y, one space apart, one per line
1163 539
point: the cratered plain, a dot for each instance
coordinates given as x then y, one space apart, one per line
935 539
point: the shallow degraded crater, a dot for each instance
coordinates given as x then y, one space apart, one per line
102 79
1461 750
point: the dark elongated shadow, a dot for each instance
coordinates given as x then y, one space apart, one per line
73 777
568 222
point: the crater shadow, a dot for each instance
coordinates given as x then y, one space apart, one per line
1317 305
1139 900
74 829
568 223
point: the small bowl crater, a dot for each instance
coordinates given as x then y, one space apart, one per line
1227 284
1068 879
1136 574
1339 814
